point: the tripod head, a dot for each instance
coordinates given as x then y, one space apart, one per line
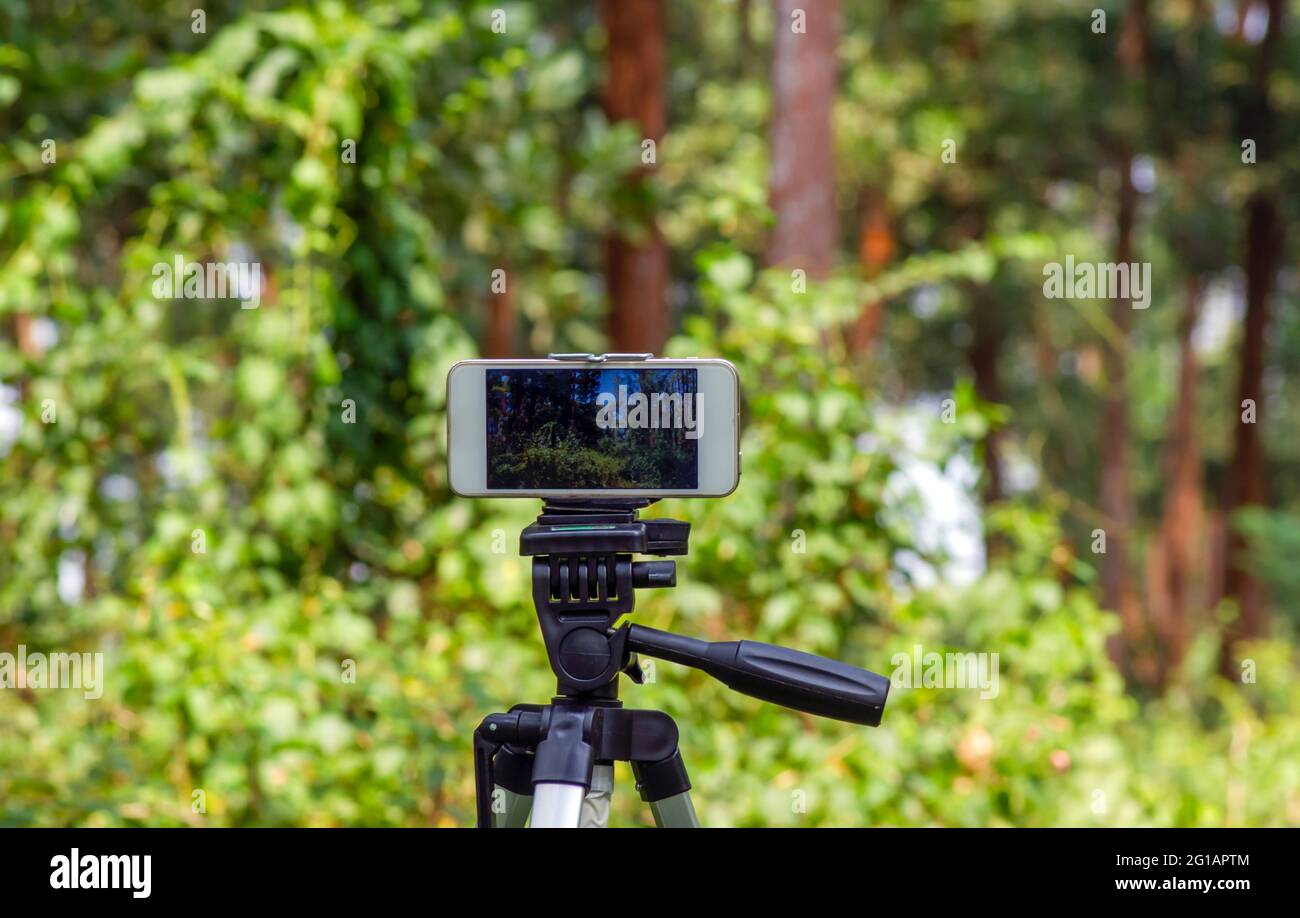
585 580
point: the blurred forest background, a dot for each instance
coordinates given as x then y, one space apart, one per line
853 202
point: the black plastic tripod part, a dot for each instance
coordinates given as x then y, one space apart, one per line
523 727
611 526
560 743
584 580
512 768
791 678
564 756
663 779
584 505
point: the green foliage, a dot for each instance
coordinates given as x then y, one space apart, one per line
548 457
301 622
1273 539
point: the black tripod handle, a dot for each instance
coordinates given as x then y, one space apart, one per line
790 678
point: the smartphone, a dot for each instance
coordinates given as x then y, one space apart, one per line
616 428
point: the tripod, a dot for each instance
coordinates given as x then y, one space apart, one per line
556 760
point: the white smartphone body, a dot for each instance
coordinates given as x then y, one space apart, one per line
616 428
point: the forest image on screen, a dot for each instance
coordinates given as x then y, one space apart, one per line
579 429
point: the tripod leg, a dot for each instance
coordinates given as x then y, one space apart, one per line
512 791
562 770
676 812
510 810
595 806
665 786
557 806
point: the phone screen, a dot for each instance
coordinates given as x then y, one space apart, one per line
590 428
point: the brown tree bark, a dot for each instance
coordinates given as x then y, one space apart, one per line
1116 491
636 269
802 183
876 246
1176 561
25 338
985 356
1247 482
25 335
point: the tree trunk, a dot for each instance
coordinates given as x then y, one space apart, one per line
985 356
1175 566
636 270
28 346
1116 492
1247 480
876 245
802 189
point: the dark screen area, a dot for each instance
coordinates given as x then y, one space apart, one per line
593 428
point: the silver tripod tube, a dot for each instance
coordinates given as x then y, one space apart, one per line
557 806
571 806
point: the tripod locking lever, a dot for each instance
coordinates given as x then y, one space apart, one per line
790 678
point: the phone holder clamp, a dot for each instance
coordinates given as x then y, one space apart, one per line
601 358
